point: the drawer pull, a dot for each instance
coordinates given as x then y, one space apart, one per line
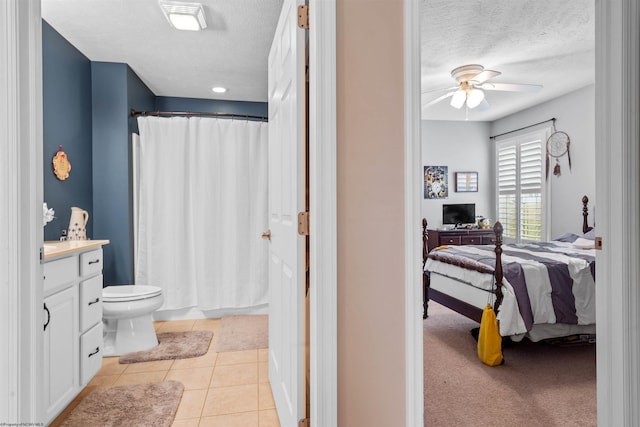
48 316
97 300
94 261
94 352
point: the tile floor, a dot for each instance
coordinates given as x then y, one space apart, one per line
220 389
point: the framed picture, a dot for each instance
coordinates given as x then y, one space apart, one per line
436 182
466 182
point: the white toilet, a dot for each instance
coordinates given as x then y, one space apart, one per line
127 311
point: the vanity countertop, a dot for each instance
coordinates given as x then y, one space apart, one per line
56 248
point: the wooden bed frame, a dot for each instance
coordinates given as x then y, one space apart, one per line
468 310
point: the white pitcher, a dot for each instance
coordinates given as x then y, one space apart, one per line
78 224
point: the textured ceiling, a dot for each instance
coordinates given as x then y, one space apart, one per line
548 42
231 52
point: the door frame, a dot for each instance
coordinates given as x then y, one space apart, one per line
617 164
323 272
414 365
21 328
21 294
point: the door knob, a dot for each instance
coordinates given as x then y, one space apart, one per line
266 235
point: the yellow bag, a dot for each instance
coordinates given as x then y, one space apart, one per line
489 339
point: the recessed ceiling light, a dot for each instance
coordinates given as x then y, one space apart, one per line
184 16
219 89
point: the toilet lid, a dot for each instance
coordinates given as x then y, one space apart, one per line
129 292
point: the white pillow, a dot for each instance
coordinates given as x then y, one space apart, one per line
582 243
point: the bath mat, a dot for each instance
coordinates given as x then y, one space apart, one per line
243 333
135 405
173 345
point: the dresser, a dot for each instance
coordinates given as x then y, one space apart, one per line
72 280
464 236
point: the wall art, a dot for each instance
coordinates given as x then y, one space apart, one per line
467 182
436 182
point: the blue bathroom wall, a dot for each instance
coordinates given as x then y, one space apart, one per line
66 93
116 89
167 103
111 169
140 98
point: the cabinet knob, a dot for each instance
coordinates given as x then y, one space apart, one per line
94 352
95 301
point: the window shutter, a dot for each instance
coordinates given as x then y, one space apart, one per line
507 189
520 188
531 191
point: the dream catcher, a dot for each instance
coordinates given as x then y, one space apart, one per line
557 146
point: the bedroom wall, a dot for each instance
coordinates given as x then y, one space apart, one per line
463 147
575 114
66 104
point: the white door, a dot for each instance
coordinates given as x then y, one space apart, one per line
286 199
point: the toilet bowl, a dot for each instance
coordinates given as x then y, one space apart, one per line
126 312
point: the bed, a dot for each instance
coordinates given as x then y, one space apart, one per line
541 290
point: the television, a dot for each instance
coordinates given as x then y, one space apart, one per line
457 214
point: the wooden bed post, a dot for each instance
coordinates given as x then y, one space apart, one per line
425 278
497 228
585 214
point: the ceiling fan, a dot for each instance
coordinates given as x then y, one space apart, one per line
472 81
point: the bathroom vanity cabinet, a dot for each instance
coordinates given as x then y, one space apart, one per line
72 278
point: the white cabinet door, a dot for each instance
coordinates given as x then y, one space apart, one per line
90 353
60 350
286 199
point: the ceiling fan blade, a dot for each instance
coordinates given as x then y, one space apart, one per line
483 76
511 87
440 89
438 99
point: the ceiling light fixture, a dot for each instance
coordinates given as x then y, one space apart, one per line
219 89
184 16
474 97
469 94
458 99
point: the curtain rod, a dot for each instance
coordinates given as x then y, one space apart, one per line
553 119
195 113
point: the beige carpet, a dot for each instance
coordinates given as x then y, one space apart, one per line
539 384
173 345
137 405
243 333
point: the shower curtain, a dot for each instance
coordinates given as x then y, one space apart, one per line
200 207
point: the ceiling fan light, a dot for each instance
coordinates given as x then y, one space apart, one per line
458 98
475 98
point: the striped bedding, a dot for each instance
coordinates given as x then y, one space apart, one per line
544 282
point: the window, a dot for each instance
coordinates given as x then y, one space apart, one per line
521 190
